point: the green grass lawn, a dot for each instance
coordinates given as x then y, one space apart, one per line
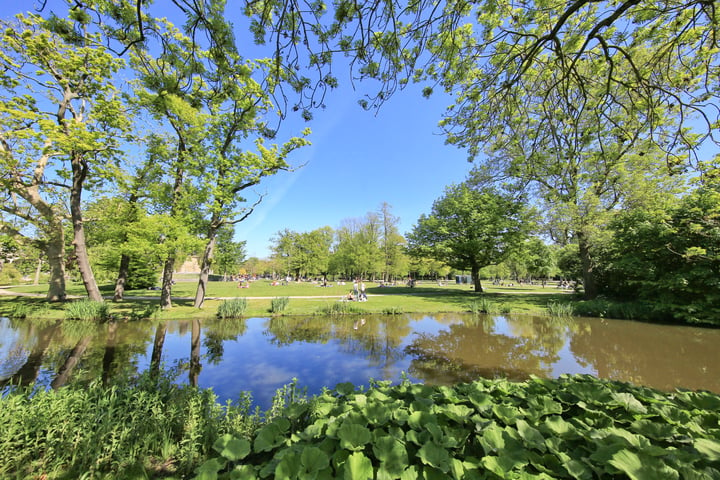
425 297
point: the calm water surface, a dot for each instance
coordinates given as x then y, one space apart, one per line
260 355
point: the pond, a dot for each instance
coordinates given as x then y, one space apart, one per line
260 355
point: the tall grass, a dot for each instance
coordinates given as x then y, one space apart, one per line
484 305
558 309
233 308
150 430
340 308
279 304
87 309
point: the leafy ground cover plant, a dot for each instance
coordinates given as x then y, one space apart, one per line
87 310
573 427
279 304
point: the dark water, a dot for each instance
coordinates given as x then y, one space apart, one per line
260 355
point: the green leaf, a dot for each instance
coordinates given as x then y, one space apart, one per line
353 436
243 472
358 467
531 436
232 448
345 388
209 470
314 460
392 454
289 466
435 456
709 448
507 413
638 468
269 437
629 402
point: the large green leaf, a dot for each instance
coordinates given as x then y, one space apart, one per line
642 468
269 437
358 467
434 455
313 460
532 437
353 436
392 454
709 448
232 448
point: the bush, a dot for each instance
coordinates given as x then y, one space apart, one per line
87 310
279 304
233 308
9 275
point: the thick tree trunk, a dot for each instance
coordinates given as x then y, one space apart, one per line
589 285
167 281
205 269
122 277
79 173
475 272
56 260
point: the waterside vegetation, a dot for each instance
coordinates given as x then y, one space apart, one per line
572 427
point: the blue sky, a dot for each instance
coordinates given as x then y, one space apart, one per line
358 160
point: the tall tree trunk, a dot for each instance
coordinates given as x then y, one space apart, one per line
205 268
55 252
79 168
167 281
475 273
38 270
122 277
589 284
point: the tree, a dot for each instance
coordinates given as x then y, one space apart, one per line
49 156
670 258
575 151
392 245
229 254
357 251
305 253
471 228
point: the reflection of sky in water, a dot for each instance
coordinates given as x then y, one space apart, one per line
661 356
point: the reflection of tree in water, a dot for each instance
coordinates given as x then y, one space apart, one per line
660 356
74 351
216 333
376 337
476 349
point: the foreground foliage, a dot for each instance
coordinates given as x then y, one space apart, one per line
152 428
573 427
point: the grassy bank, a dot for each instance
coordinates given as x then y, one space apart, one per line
303 299
573 427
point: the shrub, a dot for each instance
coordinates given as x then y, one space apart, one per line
87 309
279 304
233 308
